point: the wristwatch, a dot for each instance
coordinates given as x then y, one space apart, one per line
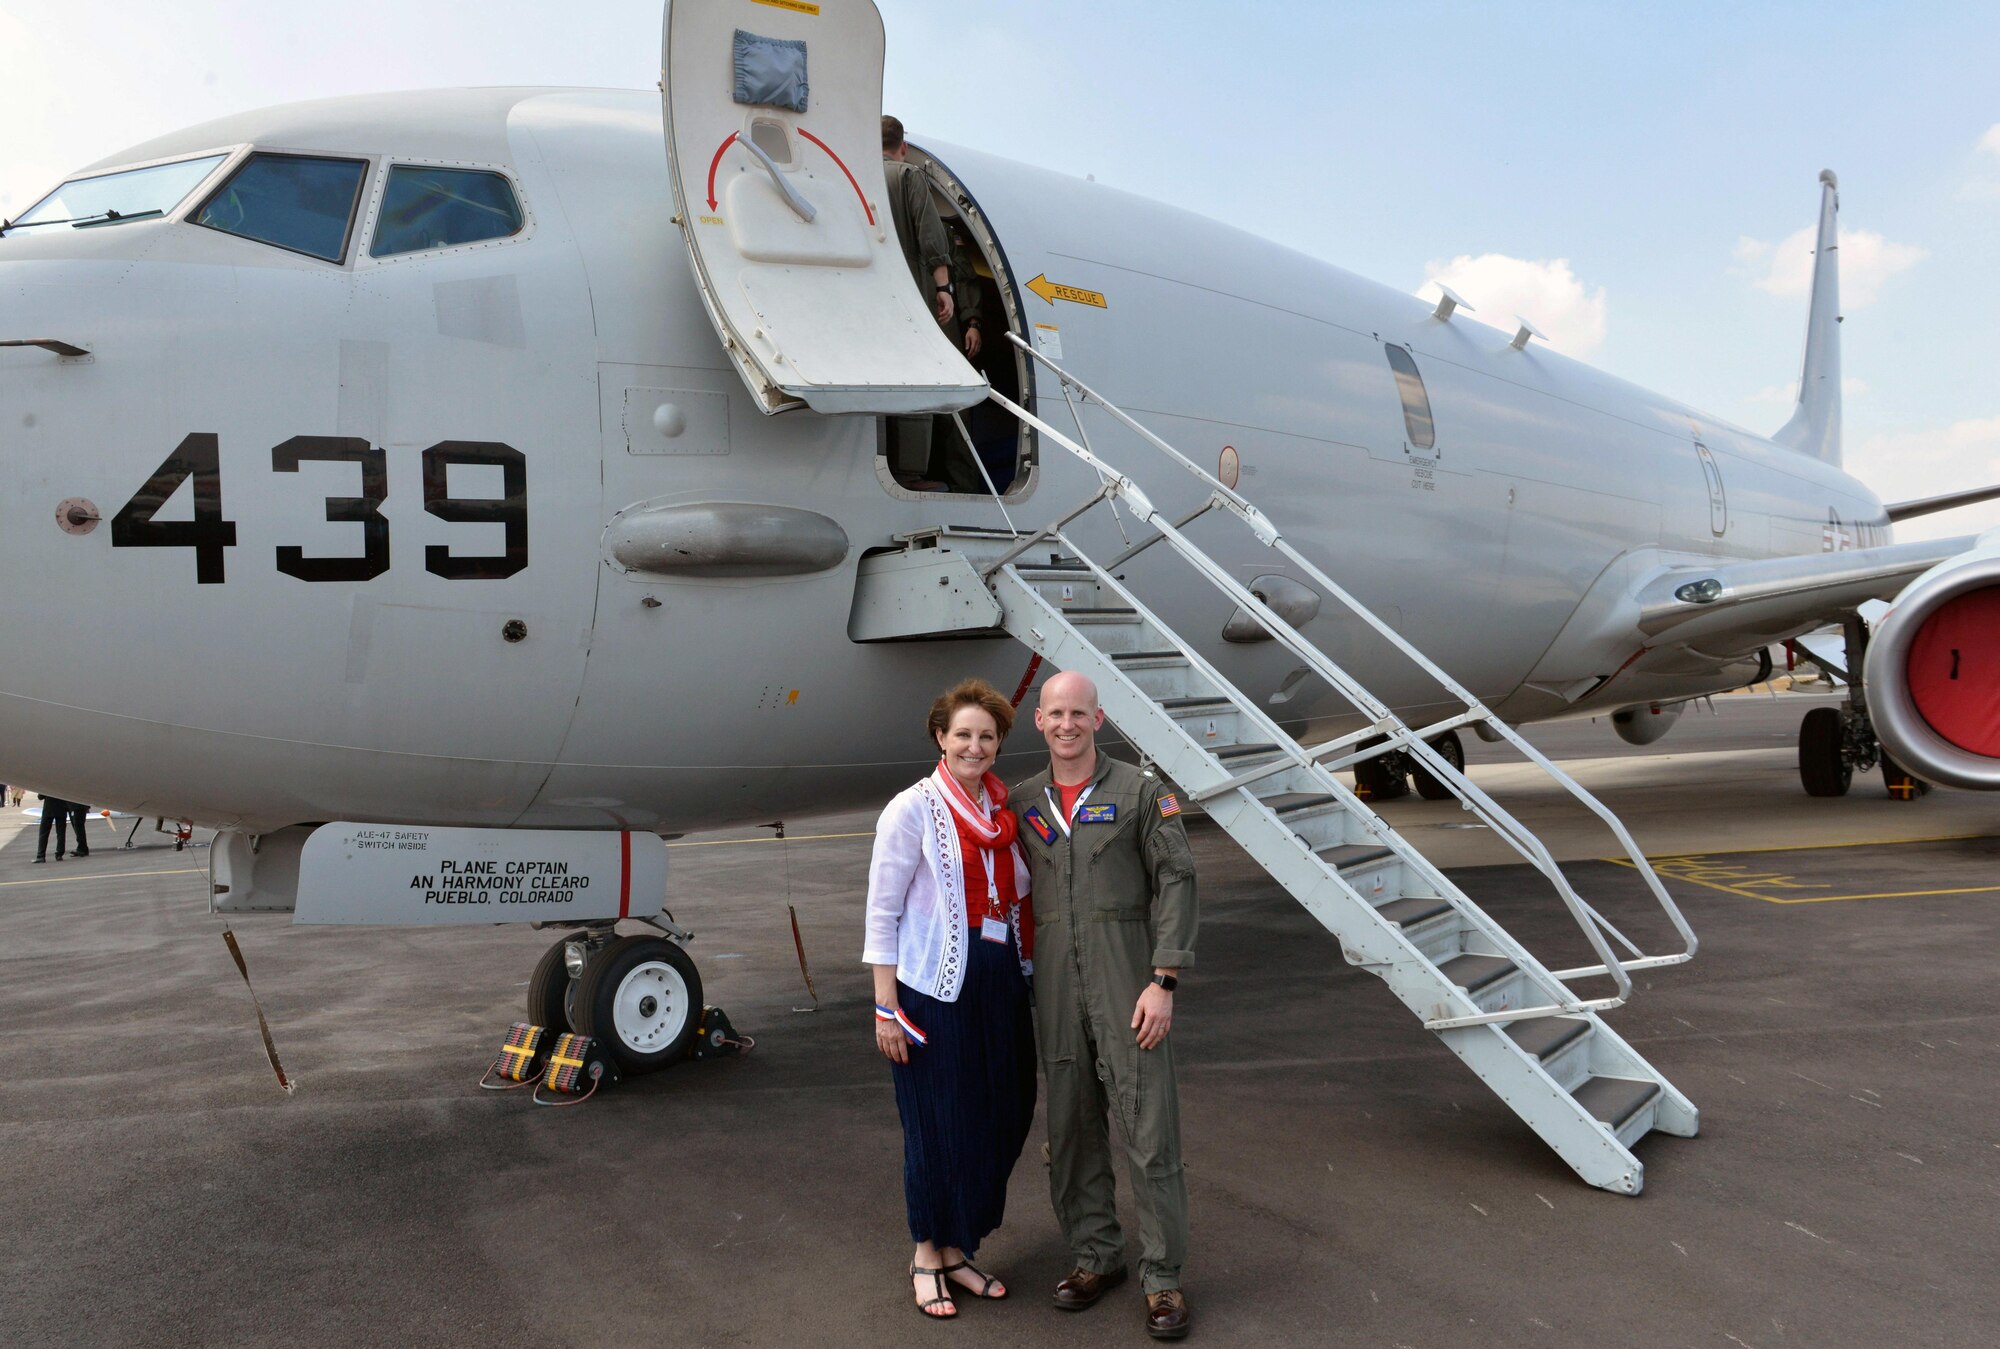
948 288
1167 981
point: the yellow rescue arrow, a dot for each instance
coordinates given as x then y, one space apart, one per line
1052 291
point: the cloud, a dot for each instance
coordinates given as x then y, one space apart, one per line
1907 465
1982 182
1546 293
1866 261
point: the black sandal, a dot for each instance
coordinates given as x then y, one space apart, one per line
985 1289
924 1308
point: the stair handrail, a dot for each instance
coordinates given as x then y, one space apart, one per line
1525 842
1268 533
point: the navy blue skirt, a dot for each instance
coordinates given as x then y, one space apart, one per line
967 1098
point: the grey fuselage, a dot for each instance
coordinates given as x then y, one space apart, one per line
260 700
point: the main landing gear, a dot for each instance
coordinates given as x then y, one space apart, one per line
1388 776
1835 743
640 996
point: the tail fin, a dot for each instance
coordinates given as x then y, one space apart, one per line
1815 428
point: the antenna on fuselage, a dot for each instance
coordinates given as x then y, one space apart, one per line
1448 300
1524 332
1815 427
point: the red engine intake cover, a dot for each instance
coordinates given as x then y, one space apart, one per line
1954 671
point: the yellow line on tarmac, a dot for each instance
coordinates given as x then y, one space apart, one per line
1808 847
107 876
795 838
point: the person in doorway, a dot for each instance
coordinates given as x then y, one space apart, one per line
949 936
928 252
77 814
55 815
1114 885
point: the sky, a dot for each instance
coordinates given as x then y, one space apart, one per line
1638 180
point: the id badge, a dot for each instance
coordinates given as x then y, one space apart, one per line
993 929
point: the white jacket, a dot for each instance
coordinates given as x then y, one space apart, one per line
917 916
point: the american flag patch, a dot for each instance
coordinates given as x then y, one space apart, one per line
1169 805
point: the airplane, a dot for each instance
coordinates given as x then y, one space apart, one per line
484 481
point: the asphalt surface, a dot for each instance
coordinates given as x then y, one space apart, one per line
1351 1182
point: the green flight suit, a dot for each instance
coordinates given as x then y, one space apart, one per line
1113 900
926 247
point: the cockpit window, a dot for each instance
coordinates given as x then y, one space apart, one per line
436 208
292 201
110 198
1417 423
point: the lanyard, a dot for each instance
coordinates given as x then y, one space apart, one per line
1055 805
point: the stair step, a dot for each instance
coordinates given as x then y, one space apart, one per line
1120 657
1410 912
1231 752
1100 614
1343 856
1194 704
1044 571
1615 1100
1542 1036
1472 972
1291 803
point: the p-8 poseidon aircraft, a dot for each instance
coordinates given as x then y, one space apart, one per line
444 495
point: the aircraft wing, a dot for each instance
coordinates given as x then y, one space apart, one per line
1758 600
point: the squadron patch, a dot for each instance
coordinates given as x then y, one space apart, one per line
1105 814
1169 805
1044 831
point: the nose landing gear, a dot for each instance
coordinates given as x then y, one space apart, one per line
638 996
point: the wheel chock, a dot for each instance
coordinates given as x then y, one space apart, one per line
715 1038
520 1060
578 1066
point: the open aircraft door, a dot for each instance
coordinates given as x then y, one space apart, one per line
773 121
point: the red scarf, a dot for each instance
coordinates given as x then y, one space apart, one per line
986 839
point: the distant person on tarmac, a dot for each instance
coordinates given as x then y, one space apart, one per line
77 814
950 933
55 815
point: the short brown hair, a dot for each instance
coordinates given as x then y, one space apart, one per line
892 136
970 693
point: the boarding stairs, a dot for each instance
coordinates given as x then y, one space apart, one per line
1519 1025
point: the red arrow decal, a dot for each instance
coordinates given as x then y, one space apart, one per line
843 168
711 167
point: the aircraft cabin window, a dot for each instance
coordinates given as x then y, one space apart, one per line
1416 403
108 198
436 208
293 202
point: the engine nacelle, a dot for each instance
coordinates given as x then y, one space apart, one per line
1647 722
1933 672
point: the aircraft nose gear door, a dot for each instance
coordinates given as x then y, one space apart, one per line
773 120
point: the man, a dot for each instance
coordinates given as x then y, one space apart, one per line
78 812
928 251
55 815
1114 925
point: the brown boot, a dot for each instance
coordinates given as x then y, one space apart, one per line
1167 1314
1083 1287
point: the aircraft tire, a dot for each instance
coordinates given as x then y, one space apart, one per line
1823 768
640 997
1902 784
1453 750
549 991
1379 781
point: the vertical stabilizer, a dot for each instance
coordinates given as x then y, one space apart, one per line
1815 428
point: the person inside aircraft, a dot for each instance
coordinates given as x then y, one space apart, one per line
949 934
928 252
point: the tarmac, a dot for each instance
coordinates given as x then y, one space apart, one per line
1351 1182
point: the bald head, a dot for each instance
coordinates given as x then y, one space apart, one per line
1068 717
1069 686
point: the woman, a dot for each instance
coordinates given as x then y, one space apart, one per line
949 934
